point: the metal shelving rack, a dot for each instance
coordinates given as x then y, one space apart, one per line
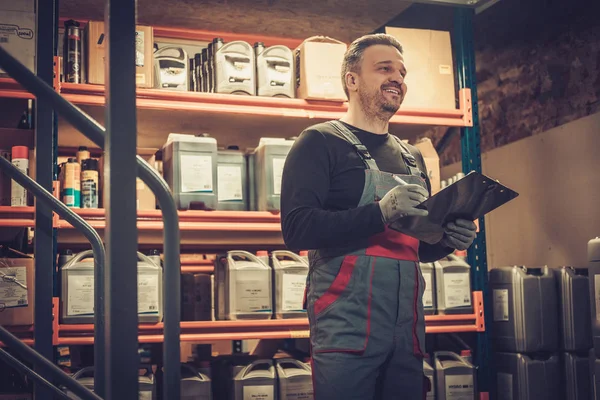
116 376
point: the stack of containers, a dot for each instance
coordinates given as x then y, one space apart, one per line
594 290
575 330
525 334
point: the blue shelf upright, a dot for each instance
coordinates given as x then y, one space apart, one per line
471 161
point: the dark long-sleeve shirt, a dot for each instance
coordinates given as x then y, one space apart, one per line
323 180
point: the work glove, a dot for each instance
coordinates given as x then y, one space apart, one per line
459 234
400 202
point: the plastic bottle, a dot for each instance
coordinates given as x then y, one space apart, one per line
20 159
89 183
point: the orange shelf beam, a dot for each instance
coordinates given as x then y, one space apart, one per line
93 95
9 88
197 331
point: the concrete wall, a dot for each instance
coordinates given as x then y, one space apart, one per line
557 212
538 67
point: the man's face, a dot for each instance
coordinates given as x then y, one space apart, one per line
381 88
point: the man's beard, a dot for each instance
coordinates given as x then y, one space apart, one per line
376 107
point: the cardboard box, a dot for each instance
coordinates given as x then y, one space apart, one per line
145 198
428 59
16 302
18 31
319 69
432 162
95 48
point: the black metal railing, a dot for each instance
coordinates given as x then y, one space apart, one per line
171 287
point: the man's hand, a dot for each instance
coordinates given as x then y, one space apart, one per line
459 235
400 202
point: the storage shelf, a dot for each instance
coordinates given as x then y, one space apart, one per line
198 331
232 119
198 229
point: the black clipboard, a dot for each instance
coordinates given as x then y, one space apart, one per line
468 198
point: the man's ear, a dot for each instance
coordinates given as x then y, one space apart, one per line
351 79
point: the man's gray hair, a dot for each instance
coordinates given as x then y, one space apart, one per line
354 53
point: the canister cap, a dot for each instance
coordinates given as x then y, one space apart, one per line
303 253
20 152
594 250
262 253
82 148
89 164
71 160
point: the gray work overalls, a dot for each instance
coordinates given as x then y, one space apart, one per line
364 303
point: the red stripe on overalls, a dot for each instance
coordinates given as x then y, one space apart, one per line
393 244
337 287
416 344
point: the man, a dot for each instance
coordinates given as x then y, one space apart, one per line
339 195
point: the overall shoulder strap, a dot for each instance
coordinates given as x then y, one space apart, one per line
362 151
409 159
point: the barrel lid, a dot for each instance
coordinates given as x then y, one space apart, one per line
594 249
20 152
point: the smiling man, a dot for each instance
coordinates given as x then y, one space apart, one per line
339 194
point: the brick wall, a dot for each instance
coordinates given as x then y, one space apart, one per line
537 73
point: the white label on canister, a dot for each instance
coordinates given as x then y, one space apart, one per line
252 295
428 293
11 293
459 387
259 392
229 181
456 289
145 395
299 391
597 295
18 194
139 48
148 293
505 386
292 292
278 163
196 174
501 305
80 292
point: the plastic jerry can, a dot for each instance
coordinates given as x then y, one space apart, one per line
429 295
243 287
251 168
525 309
171 68
274 71
524 377
235 69
194 384
429 374
594 276
231 180
455 377
577 376
595 372
255 381
295 379
574 309
453 286
269 159
289 281
77 290
146 384
190 169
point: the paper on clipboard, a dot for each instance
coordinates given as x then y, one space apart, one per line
469 198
